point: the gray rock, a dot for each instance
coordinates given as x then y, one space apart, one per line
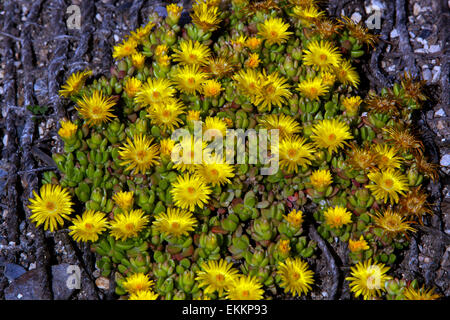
435 48
416 9
59 280
440 113
30 286
445 160
13 271
426 74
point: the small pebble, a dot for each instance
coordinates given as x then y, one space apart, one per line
99 17
440 113
426 74
445 160
394 33
116 38
434 48
102 283
416 9
356 17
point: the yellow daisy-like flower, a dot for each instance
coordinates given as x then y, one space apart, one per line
175 222
215 172
296 278
321 179
96 109
205 17
211 88
368 279
138 60
307 15
161 50
328 79
141 33
245 288
322 56
155 91
312 89
387 157
189 79
274 90
253 43
248 82
166 115
215 123
50 208
88 226
216 276
125 49
284 246
190 191
294 152
191 53
188 153
392 223
361 158
239 43
294 218
137 282
193 115
347 74
132 86
166 146
358 245
124 200
128 224
286 125
219 67
68 129
337 217
420 294
388 184
253 61
331 134
139 154
74 83
143 295
351 104
274 30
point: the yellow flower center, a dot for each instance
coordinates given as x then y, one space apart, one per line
175 225
220 278
191 80
191 190
50 206
245 293
95 110
388 183
214 172
129 227
323 57
88 226
292 153
371 282
166 113
140 155
192 56
313 91
156 94
295 276
274 34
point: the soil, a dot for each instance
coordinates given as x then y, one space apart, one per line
39 51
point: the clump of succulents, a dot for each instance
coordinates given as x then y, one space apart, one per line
175 229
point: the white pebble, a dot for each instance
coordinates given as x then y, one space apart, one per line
426 74
436 74
19 296
440 113
116 38
99 17
435 48
416 9
394 33
445 160
356 17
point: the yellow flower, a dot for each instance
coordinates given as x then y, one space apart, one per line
253 43
307 15
392 223
248 82
388 184
283 246
358 245
347 74
88 226
166 115
420 294
322 56
143 295
124 200
295 276
286 125
215 123
387 157
132 86
245 288
161 50
193 115
138 60
368 279
294 218
154 91
204 17
175 222
239 43
166 146
67 130
219 67
142 32
190 191
192 53
137 282
215 172
96 109
337 217
139 155
125 49
331 134
216 276
274 90
74 83
351 104
163 61
189 79
128 224
51 207
294 152
188 153
274 30
321 179
404 140
328 78
253 61
312 89
211 88
174 12
361 158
